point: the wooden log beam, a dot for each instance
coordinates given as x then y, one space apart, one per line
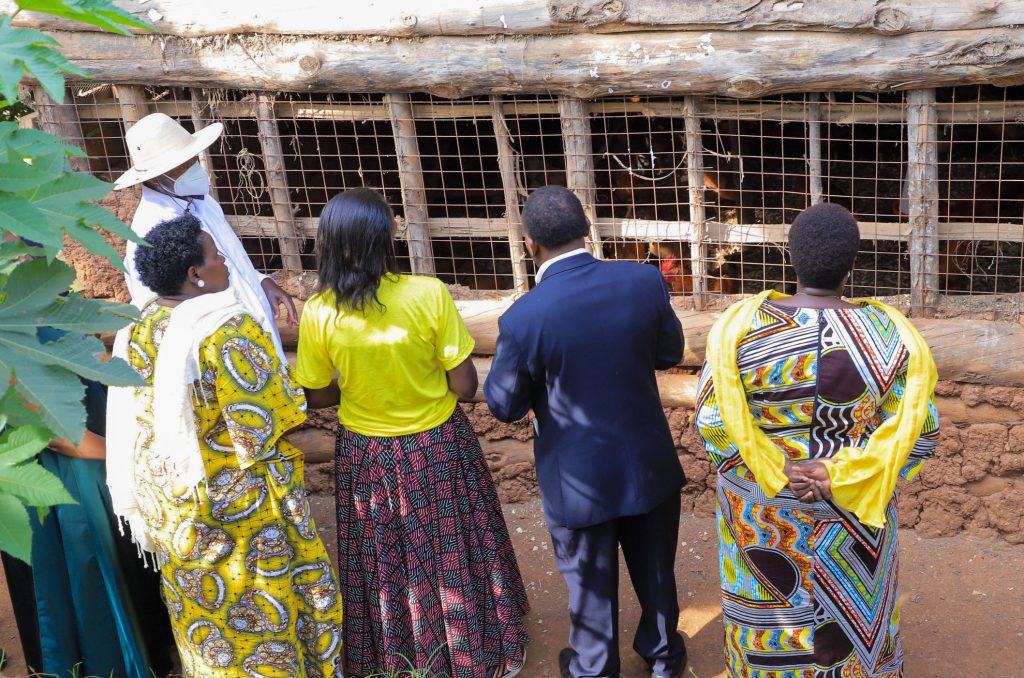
577 141
411 18
923 199
737 64
410 174
512 189
55 118
288 236
966 350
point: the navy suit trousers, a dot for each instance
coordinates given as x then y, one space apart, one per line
588 559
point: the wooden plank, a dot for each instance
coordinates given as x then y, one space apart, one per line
55 118
288 237
735 64
579 163
133 104
923 198
695 189
410 170
409 18
512 189
982 112
649 230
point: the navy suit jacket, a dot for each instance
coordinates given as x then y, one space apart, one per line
581 350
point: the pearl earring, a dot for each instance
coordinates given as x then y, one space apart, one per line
200 283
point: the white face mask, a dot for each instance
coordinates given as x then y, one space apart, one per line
195 181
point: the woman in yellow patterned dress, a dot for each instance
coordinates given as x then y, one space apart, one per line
209 486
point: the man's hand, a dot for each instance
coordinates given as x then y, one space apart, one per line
277 296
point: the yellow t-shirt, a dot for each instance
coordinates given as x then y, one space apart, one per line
392 364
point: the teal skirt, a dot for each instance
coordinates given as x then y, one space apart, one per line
97 607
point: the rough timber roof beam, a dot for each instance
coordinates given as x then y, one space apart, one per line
736 64
415 18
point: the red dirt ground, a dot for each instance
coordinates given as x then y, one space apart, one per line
963 602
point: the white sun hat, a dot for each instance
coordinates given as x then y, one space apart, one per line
157 144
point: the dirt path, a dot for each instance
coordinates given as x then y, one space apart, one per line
963 602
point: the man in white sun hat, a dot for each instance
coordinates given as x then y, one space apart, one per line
165 161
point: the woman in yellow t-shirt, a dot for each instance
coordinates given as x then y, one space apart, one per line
427 570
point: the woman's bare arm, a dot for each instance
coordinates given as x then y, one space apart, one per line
462 379
328 396
92 446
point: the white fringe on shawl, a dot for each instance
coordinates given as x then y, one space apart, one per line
176 370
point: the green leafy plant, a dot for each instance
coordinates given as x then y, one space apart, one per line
42 202
413 671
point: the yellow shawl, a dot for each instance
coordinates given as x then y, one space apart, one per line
863 479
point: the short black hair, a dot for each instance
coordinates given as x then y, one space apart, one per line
823 244
553 216
175 246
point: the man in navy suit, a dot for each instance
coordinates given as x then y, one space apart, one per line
581 351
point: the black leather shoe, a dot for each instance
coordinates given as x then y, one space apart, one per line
564 659
675 674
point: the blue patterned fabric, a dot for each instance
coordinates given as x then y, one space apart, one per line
807 590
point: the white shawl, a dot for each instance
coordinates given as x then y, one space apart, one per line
245 280
176 370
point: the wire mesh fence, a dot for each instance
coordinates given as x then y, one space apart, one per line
703 188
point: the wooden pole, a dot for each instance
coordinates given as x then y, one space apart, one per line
814 146
288 236
410 173
27 121
923 198
579 162
695 184
133 103
197 102
61 119
510 184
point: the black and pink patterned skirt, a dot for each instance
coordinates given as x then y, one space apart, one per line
428 575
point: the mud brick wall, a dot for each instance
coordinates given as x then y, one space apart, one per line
974 483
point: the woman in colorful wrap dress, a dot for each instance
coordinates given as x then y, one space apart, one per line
427 569
199 468
811 407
